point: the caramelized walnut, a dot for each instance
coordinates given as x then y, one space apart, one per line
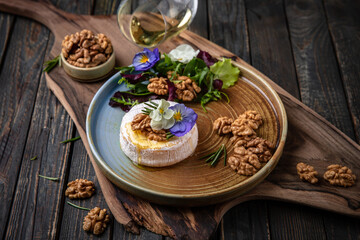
246 123
96 221
339 175
244 162
142 122
85 49
158 86
307 172
186 90
80 188
223 125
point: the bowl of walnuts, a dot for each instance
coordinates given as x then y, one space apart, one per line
87 57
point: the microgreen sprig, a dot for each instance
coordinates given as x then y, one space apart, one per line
76 206
71 140
49 65
33 158
151 106
214 157
49 178
169 135
127 102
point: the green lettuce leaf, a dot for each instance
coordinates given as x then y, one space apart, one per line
226 72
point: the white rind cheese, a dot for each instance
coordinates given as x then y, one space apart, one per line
153 153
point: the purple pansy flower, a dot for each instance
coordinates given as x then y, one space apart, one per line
146 59
185 119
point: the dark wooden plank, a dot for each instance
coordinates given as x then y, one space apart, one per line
271 53
270 46
200 23
19 80
228 28
71 226
344 25
320 84
317 69
6 23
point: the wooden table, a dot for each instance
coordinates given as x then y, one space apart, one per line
308 47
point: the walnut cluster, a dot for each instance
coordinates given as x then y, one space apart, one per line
186 89
307 173
80 188
249 156
246 123
250 151
339 176
96 220
85 49
141 122
158 85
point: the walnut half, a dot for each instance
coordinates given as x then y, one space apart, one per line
307 173
158 86
339 176
246 123
141 122
223 125
80 188
96 221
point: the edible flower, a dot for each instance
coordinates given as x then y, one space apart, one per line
185 119
146 59
183 53
162 116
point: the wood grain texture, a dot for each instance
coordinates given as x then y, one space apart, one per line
271 53
344 25
315 61
282 184
237 41
18 95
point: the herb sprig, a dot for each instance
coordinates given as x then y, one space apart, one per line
151 106
214 157
49 65
49 178
71 140
33 158
125 102
76 206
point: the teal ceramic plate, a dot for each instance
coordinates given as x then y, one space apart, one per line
191 182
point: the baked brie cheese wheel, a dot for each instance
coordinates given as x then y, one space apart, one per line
151 153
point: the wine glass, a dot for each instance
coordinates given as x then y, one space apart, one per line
149 23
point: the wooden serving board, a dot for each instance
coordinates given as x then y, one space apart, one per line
311 139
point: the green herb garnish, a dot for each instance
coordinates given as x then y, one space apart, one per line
169 135
151 107
76 206
214 157
125 69
33 158
127 102
49 65
214 95
71 140
49 178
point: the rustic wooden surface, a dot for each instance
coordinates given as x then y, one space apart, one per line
324 38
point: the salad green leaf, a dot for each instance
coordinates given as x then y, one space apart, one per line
226 72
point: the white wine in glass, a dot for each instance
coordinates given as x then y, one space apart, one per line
149 23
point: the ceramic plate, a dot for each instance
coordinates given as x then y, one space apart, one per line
191 182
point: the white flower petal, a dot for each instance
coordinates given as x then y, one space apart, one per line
183 53
155 115
168 123
168 114
156 125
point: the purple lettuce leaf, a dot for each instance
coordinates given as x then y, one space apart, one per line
207 58
172 89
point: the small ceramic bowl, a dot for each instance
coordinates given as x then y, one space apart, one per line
89 74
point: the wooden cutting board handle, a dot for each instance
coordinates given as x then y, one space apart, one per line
311 139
